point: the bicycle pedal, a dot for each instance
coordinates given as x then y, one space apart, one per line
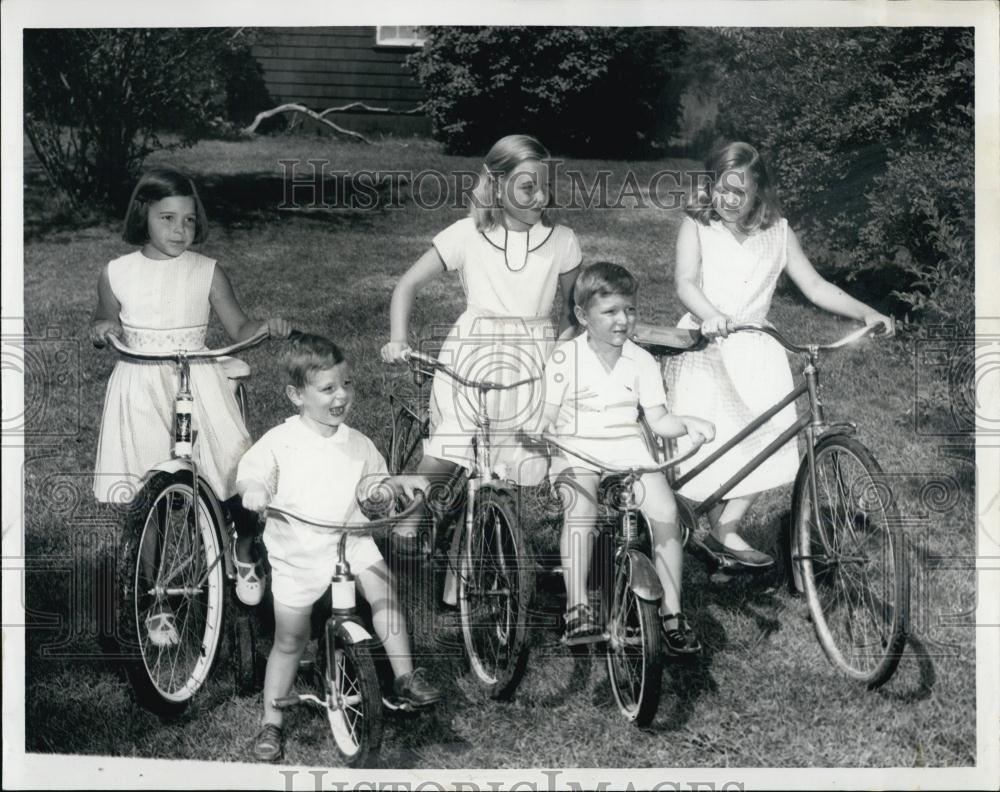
584 640
284 702
398 705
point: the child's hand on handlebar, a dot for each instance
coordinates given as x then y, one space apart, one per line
699 430
718 325
395 352
873 318
278 328
101 329
410 486
255 497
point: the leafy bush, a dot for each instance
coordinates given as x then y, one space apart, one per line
97 99
596 91
870 134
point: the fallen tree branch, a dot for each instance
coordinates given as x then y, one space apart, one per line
297 108
321 116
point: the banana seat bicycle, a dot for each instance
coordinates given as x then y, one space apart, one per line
845 549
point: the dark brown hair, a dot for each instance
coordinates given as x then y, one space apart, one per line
602 278
307 353
155 185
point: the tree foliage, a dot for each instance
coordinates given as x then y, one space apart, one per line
599 91
96 100
870 132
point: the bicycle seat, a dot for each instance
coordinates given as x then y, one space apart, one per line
234 368
661 341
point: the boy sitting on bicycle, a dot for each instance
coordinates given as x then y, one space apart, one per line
593 387
316 465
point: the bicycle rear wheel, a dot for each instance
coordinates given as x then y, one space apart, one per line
496 581
352 679
171 593
635 662
851 560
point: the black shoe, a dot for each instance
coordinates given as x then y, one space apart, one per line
269 744
581 626
750 558
678 637
415 690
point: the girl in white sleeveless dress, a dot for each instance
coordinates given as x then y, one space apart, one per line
731 249
158 299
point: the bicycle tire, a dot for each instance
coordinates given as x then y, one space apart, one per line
852 561
249 664
190 570
634 656
405 448
495 586
356 729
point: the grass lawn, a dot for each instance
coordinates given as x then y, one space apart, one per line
762 695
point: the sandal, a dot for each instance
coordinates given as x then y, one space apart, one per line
581 626
269 744
160 627
681 639
250 580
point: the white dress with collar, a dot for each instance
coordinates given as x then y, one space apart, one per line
505 334
736 378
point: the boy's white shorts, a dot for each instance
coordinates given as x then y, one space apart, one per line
300 586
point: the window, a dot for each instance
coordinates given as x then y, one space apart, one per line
398 36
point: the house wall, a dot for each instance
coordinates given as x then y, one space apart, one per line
323 67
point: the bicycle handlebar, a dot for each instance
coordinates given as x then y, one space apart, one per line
356 527
850 338
202 354
483 385
634 470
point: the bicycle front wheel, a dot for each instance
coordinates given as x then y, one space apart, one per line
171 592
635 662
405 446
349 684
850 560
496 580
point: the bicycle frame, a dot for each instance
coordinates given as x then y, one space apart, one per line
813 422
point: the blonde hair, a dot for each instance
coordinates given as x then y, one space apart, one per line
732 156
502 159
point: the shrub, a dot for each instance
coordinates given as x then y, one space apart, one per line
97 99
870 133
596 91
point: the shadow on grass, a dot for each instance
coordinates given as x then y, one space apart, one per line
236 201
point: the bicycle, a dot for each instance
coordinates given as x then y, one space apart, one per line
495 573
845 549
349 685
173 560
629 587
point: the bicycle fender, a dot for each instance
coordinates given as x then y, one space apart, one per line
642 577
352 631
837 429
204 488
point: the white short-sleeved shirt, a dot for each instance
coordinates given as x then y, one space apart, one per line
509 273
318 477
598 409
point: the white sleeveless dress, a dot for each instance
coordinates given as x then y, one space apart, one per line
164 307
736 378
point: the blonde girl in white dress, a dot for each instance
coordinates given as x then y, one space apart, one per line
158 298
731 248
510 260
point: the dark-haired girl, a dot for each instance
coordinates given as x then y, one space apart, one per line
158 298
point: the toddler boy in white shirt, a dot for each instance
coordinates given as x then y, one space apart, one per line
318 466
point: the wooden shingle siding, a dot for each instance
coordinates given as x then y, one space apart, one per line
331 66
